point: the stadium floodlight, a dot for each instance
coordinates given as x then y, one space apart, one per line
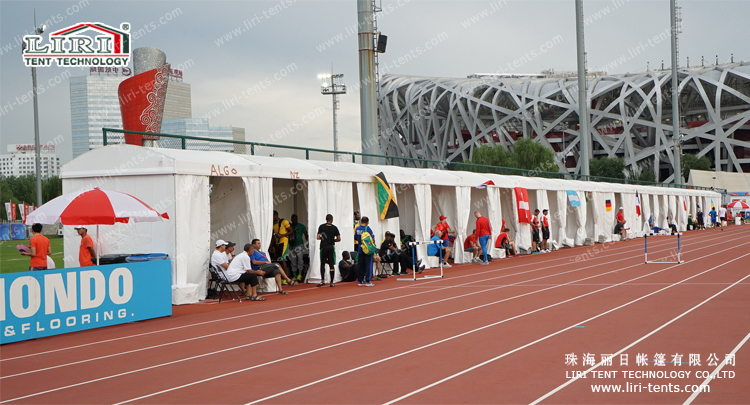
333 84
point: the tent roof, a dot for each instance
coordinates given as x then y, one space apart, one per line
129 160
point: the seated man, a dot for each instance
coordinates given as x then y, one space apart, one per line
347 268
621 230
672 225
407 252
691 223
505 242
439 249
389 253
260 261
241 271
654 228
471 245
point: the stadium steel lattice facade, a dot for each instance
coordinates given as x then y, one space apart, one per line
446 118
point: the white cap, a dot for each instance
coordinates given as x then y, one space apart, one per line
220 242
622 208
80 227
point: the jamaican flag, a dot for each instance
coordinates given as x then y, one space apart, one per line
386 200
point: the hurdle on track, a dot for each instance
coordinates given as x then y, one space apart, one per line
414 258
645 247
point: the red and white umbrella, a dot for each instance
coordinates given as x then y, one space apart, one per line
94 207
738 205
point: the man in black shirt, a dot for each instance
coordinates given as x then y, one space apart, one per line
328 234
347 268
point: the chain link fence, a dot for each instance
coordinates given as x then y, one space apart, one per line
116 136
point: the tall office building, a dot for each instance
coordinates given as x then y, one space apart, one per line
21 161
94 105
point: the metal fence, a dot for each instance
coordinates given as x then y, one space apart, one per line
116 136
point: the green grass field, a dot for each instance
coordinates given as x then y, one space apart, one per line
12 262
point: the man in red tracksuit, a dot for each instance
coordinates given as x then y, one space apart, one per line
483 234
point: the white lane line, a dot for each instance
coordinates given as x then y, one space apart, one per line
322 348
716 371
307 305
570 327
307 316
572 380
482 328
300 317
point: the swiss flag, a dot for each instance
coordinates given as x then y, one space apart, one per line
524 209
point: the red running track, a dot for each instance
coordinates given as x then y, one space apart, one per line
484 334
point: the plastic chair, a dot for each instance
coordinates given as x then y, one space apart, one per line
221 282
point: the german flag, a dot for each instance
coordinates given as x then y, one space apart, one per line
386 200
609 205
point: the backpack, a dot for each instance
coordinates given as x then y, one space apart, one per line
368 243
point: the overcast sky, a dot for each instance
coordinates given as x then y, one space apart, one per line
303 38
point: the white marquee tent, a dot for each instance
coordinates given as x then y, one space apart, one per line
219 195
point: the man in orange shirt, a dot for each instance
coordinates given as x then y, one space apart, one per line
86 252
39 249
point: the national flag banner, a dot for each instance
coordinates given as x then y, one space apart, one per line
386 200
22 210
26 210
524 208
7 211
573 198
485 184
684 204
609 205
13 211
637 204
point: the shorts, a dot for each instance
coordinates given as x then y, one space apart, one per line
469 250
271 269
248 278
282 250
446 242
723 218
37 268
618 229
545 233
535 235
327 256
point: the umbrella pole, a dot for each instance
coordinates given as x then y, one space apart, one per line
98 246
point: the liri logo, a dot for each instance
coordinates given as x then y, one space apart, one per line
70 47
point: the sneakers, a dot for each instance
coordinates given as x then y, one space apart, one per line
446 265
404 273
419 262
485 263
361 284
420 270
395 274
369 285
321 284
476 260
377 278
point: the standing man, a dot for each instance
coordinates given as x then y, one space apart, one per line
545 230
86 253
701 223
483 234
713 216
357 218
535 240
38 249
722 216
297 248
281 232
328 235
445 230
364 260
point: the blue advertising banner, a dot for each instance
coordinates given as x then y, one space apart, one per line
52 302
17 231
5 232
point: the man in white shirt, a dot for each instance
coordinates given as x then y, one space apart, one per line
241 270
219 257
230 251
722 216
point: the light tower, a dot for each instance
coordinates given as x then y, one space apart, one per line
38 30
333 84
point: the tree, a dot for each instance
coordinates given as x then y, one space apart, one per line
607 167
526 155
691 161
23 190
642 172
